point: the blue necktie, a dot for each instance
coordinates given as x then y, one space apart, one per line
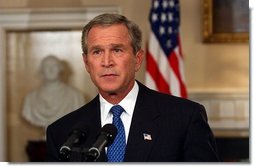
116 150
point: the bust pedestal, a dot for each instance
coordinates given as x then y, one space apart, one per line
36 150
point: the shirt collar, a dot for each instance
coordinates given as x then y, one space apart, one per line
128 103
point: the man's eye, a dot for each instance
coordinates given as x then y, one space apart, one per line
118 50
96 52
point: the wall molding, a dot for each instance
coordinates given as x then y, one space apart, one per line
228 113
48 18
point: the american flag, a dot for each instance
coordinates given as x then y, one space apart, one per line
164 60
147 136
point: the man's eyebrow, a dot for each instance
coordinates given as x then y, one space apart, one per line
117 45
96 47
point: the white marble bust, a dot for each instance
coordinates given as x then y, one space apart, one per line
53 98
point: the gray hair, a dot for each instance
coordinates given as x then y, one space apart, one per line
111 19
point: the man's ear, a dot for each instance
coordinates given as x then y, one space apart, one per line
139 59
85 61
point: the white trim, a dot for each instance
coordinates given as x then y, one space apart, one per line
226 111
50 18
29 19
251 4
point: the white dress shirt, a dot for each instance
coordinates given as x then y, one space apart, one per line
128 104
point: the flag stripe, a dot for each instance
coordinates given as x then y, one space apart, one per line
164 63
148 79
174 62
154 71
158 55
181 71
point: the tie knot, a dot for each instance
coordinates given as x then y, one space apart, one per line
116 110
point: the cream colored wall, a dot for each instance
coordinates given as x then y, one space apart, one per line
208 67
211 67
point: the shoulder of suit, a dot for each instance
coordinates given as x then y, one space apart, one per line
163 97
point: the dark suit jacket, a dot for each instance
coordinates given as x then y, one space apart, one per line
178 128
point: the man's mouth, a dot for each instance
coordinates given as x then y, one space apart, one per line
109 75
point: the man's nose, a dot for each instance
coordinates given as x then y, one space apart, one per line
107 59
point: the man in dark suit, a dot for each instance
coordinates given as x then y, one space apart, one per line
157 127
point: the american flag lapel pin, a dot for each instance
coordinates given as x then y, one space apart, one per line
147 137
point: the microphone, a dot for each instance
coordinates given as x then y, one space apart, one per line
104 139
78 134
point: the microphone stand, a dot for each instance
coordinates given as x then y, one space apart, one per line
90 157
78 154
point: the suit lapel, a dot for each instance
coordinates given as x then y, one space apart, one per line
94 120
103 157
143 131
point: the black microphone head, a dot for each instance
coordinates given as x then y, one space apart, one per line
110 131
105 138
81 129
77 136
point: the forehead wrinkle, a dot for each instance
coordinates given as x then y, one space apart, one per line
112 45
109 40
105 33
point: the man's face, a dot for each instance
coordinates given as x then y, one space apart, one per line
110 60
